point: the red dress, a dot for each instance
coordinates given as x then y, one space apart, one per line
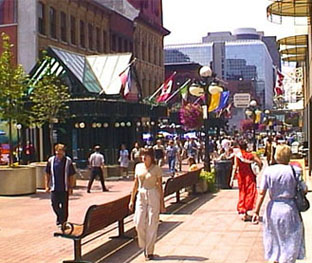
247 184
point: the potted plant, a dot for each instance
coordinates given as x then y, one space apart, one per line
206 182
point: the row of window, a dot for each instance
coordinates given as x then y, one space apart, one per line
95 39
91 37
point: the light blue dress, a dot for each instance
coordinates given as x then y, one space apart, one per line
283 232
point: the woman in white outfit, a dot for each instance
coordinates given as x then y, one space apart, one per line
149 196
123 160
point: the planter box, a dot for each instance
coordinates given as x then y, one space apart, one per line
202 186
18 181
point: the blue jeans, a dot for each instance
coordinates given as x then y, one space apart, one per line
171 162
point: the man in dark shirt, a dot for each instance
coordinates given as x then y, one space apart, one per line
59 181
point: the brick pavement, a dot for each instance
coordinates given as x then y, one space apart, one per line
204 228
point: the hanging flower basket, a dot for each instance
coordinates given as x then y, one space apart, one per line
191 116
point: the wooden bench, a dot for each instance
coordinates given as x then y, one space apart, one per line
97 217
175 184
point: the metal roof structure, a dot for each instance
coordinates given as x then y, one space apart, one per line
98 74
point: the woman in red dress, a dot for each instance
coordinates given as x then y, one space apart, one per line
246 178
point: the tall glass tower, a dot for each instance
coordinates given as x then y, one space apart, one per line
239 56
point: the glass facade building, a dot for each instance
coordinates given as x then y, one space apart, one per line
244 59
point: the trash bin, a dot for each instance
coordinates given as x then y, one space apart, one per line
223 171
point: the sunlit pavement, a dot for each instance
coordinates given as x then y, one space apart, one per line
203 228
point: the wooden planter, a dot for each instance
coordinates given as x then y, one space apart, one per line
17 181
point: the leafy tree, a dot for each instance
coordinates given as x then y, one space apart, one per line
49 101
13 88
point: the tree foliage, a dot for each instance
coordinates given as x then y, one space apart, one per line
13 90
49 99
13 85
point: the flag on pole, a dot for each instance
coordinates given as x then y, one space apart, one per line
214 102
126 81
223 100
166 89
184 91
128 84
279 86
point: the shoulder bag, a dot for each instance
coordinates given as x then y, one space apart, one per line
301 200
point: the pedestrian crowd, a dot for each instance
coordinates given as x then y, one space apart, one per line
283 230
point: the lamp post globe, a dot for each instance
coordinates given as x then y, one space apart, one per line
214 89
205 72
253 103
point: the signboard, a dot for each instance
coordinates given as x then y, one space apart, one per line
241 100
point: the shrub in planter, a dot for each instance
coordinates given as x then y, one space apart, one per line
210 179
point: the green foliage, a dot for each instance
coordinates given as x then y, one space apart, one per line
49 97
210 178
13 90
13 86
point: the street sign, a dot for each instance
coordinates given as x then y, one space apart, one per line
241 100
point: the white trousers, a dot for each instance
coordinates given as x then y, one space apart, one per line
146 218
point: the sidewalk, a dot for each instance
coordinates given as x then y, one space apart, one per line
203 228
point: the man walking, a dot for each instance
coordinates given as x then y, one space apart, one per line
96 162
59 181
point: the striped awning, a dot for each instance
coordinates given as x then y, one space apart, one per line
296 58
294 51
298 40
293 8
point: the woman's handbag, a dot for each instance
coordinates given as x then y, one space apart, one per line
301 200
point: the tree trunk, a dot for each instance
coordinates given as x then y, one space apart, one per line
51 137
10 143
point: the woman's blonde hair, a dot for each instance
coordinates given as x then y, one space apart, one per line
282 154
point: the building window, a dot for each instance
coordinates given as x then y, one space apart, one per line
114 43
82 34
149 53
63 27
155 56
52 22
126 48
131 46
119 44
41 18
104 41
143 50
98 40
73 30
90 36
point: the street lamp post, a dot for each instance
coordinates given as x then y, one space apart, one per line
18 152
208 76
252 113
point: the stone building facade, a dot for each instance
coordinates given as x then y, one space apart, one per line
94 27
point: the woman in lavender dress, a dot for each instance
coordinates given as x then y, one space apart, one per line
283 234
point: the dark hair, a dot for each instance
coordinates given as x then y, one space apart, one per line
242 144
149 152
191 160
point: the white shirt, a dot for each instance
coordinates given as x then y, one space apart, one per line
96 159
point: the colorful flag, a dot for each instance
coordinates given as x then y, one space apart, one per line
166 89
214 102
223 100
123 77
279 86
184 91
126 81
